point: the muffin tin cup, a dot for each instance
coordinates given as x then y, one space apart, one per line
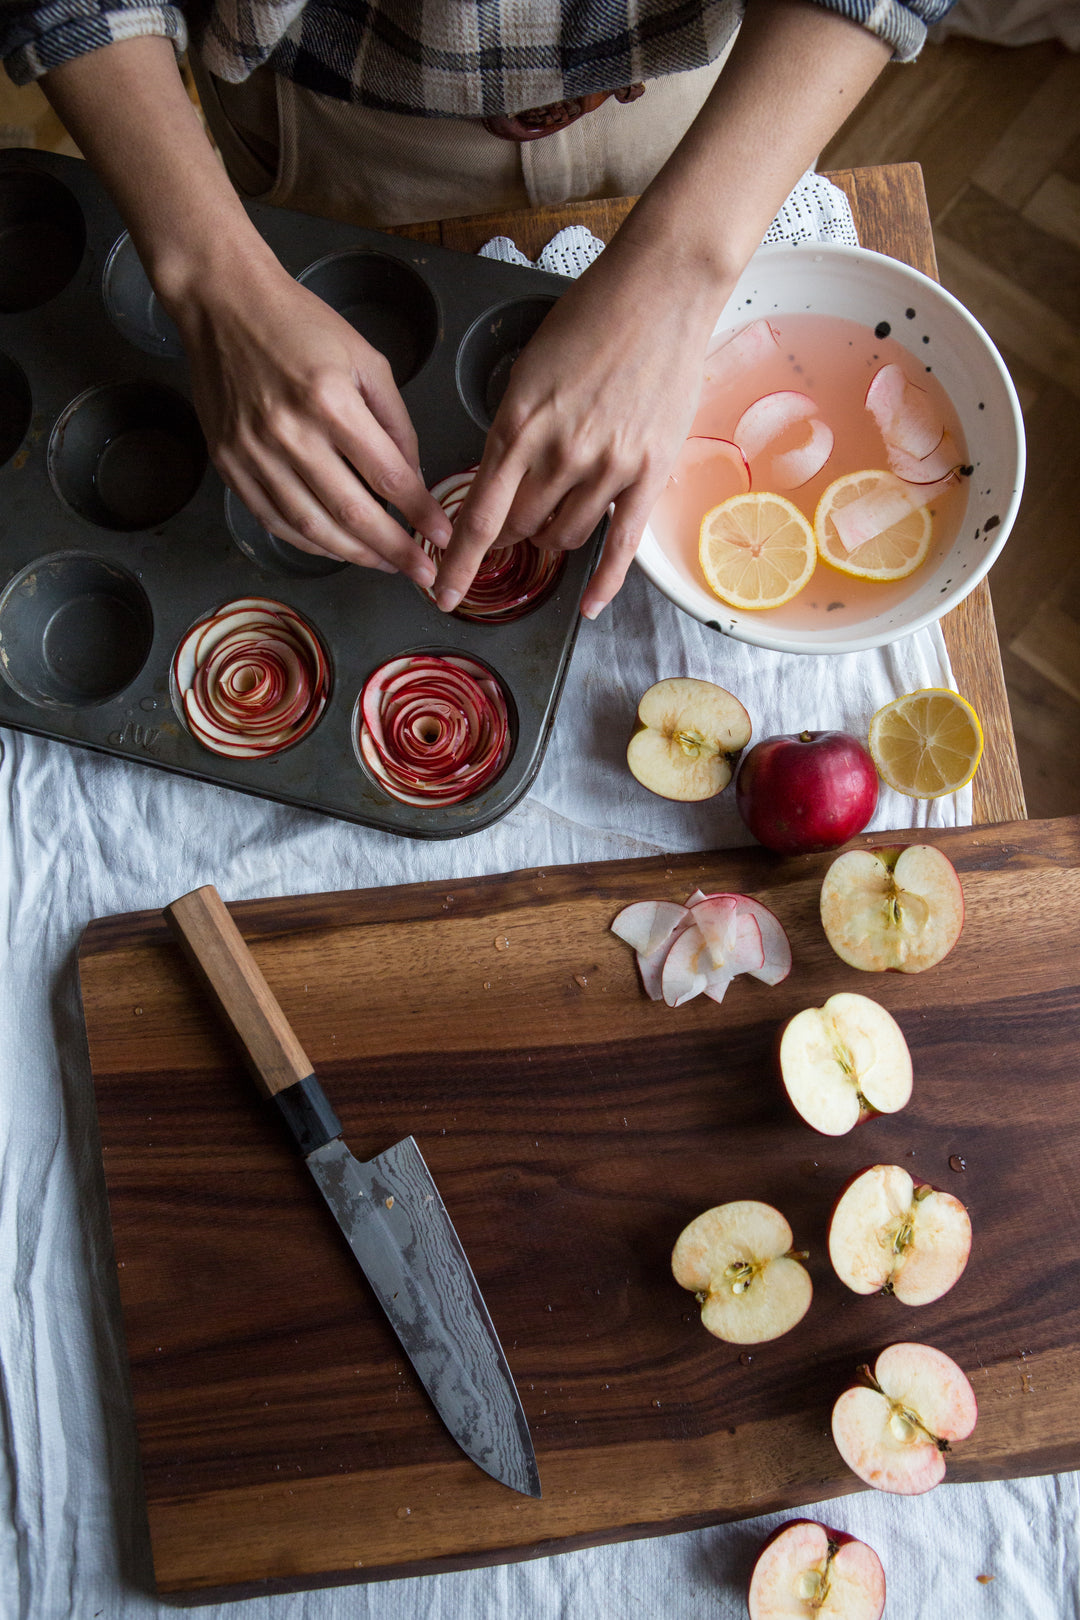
118 534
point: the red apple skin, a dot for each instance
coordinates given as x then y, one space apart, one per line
806 792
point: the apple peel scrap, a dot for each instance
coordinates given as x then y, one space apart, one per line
739 1260
890 1234
805 1568
895 1427
684 951
843 1063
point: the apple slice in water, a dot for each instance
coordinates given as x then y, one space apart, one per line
739 1261
890 1234
806 1569
783 439
894 1429
843 1063
904 413
687 736
898 908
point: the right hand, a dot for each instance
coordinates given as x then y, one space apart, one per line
300 413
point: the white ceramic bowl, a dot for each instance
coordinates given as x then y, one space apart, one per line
871 288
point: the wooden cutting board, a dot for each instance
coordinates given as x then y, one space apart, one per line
573 1128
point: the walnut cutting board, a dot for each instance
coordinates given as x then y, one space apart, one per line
573 1128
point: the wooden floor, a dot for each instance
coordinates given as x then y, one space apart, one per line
997 131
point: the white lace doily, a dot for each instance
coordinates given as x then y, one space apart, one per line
816 211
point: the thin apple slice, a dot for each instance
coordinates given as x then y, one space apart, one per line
739 1261
687 735
894 1429
904 413
897 908
785 425
647 924
651 926
731 932
775 944
890 1234
940 467
845 1062
806 1569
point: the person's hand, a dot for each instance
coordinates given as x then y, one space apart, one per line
304 422
598 405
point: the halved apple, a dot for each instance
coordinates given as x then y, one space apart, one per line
894 1428
844 1062
892 908
739 1261
686 739
891 1234
807 1569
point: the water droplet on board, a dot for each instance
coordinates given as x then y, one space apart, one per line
403 1513
579 978
487 984
502 943
745 1358
956 1162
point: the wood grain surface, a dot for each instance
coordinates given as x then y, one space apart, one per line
888 205
573 1128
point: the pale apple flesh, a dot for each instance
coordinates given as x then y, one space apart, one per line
808 1570
687 736
898 908
892 1235
739 1261
894 1429
844 1062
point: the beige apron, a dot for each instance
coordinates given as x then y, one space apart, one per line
296 148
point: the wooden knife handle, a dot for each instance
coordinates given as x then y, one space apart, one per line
216 949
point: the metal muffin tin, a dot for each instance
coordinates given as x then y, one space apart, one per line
116 534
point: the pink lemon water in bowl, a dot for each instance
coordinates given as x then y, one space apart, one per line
833 318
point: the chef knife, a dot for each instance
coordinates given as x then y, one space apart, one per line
388 1208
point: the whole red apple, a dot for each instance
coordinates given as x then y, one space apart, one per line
806 792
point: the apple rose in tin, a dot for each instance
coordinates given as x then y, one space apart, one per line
251 678
511 580
433 728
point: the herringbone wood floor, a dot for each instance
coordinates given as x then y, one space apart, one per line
997 132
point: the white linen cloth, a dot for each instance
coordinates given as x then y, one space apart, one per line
84 835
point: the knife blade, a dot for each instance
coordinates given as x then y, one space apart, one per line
388 1209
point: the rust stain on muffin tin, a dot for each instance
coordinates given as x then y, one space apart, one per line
121 535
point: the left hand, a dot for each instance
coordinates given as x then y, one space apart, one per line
598 406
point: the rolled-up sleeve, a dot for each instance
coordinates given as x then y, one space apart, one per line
902 24
35 38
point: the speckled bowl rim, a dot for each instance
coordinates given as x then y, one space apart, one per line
1000 397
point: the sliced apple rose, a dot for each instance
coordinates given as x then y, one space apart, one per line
845 1062
251 678
897 908
433 728
687 735
739 1261
895 1428
806 1570
511 580
890 1234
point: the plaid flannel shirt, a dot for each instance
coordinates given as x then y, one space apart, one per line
436 58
